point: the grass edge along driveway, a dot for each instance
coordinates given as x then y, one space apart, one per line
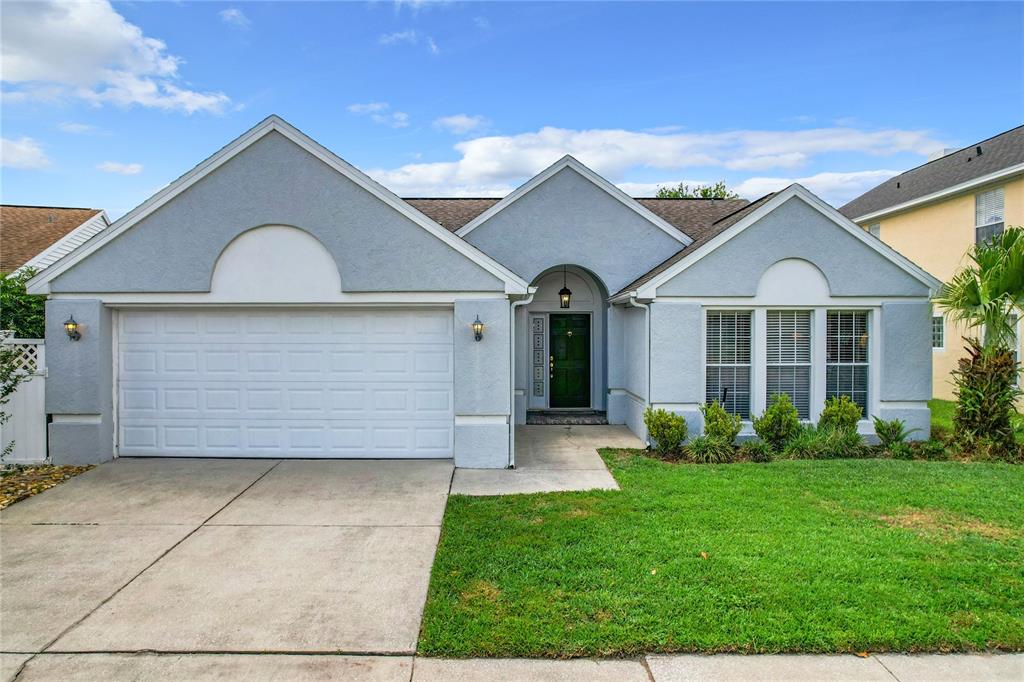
791 556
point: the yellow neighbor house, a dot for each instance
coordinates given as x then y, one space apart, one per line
932 214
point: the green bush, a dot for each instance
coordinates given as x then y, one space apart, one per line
710 450
891 432
900 450
828 443
666 429
932 449
986 389
756 451
840 414
720 424
20 311
779 423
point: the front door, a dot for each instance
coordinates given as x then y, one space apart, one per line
569 362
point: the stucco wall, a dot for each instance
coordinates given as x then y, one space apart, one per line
79 383
570 220
627 371
906 351
793 230
482 385
275 182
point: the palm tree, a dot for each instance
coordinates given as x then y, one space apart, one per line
988 293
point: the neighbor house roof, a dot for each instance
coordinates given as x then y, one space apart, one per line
26 231
692 217
975 164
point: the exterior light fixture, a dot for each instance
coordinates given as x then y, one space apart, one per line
478 328
564 294
71 327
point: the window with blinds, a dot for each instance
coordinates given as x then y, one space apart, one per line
988 215
875 229
789 358
938 332
846 356
728 360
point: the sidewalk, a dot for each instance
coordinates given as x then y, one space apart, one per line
659 668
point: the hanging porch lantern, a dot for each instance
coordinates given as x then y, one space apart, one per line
564 294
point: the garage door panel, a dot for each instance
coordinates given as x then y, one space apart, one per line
282 383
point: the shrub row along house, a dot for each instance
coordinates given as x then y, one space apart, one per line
934 213
275 301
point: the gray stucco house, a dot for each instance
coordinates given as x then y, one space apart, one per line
275 301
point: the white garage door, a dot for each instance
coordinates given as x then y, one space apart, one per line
285 383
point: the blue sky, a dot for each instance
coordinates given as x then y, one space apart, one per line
104 104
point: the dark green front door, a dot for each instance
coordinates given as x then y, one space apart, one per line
569 361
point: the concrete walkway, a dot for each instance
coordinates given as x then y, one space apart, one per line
100 667
550 459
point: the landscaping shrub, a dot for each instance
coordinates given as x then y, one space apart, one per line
932 450
779 423
900 450
756 451
720 424
20 311
891 432
710 450
986 389
839 414
666 429
826 443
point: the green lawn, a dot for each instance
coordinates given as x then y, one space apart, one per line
942 414
844 555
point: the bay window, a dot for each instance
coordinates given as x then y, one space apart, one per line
728 360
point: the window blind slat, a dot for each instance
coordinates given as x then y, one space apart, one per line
728 360
789 358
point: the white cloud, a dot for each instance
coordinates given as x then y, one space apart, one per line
408 36
76 128
460 124
234 17
835 188
58 50
380 112
432 46
120 168
22 153
487 164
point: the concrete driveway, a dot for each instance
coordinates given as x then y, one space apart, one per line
222 556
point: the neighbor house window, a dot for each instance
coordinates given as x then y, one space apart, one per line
789 358
875 229
988 215
728 360
938 332
846 353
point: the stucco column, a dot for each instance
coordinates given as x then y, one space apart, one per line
906 357
676 370
79 382
482 384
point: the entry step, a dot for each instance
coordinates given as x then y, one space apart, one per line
567 417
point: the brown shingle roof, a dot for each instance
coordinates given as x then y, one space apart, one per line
690 216
999 152
27 230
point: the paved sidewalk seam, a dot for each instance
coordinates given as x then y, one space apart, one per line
891 673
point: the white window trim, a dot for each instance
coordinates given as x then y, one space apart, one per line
942 348
759 356
1002 219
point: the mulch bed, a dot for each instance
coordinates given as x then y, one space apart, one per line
18 481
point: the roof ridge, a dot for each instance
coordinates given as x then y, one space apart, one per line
59 208
956 151
744 207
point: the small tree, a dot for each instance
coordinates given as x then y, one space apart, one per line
682 191
21 312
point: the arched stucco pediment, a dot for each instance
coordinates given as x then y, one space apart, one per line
793 281
275 263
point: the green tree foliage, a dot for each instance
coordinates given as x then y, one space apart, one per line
986 293
666 429
682 191
21 312
986 390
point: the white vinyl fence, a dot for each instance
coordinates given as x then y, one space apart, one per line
27 425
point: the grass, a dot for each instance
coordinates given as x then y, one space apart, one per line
814 556
942 414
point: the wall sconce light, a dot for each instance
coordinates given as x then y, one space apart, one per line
478 328
71 327
564 294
